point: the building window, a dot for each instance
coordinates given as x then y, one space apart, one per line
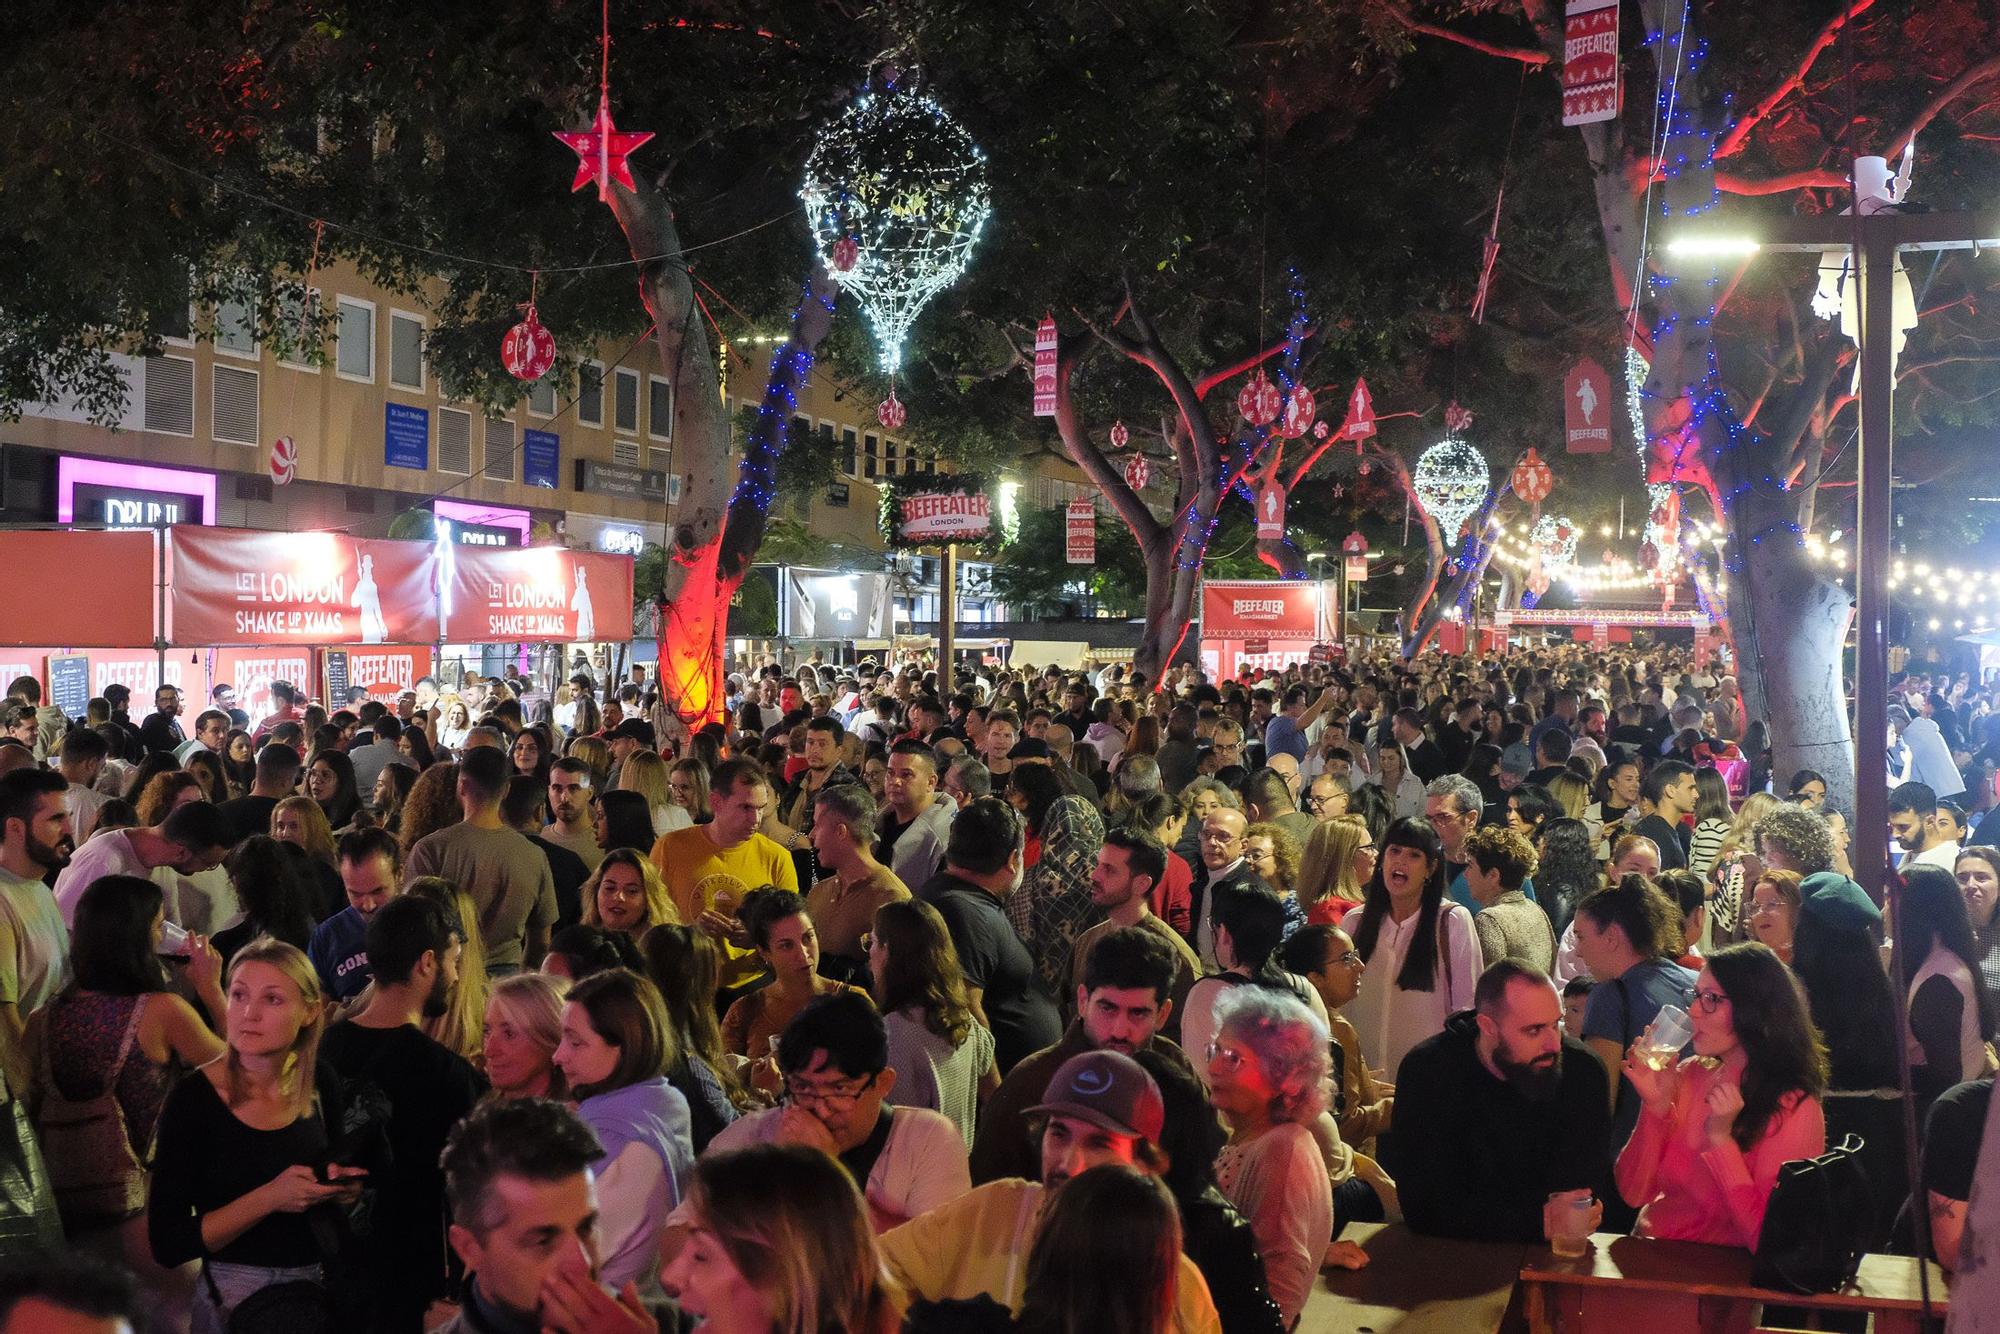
871 457
454 436
235 329
625 401
233 414
851 444
542 397
356 357
296 338
590 393
659 407
406 350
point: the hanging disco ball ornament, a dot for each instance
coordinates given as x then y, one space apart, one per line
899 178
1259 401
1450 481
1553 540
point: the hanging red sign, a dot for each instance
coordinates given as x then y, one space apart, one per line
1532 478
1259 401
528 350
1356 569
1360 423
1045 367
1080 532
1270 509
1137 472
1587 409
1590 61
1298 416
1355 545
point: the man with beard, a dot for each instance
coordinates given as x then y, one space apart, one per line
409 1091
35 843
1500 1119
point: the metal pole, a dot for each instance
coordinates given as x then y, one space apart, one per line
947 618
1877 261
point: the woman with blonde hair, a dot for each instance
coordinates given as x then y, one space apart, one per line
596 753
432 805
234 1165
457 721
646 773
687 787
779 1240
1735 870
1334 868
1571 793
301 822
519 1034
625 893
460 1027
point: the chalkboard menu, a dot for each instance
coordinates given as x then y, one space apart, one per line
336 678
69 684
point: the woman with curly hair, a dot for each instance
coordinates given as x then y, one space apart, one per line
1274 854
943 1057
432 805
1267 1071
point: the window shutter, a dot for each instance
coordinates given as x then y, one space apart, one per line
235 405
500 462
627 453
454 443
170 395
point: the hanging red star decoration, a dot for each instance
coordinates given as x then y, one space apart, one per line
602 151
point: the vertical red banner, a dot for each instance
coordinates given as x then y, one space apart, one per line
1590 61
1045 367
1080 532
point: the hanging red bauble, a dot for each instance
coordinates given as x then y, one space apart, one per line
1532 478
601 151
284 460
1138 472
846 254
1366 466
528 350
1298 415
891 413
1121 435
1456 418
1259 402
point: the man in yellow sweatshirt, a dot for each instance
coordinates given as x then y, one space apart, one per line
1101 1107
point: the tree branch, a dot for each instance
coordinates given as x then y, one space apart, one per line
1526 55
1979 73
1817 178
1216 377
1740 132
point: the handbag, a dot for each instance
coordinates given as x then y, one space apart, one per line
97 1174
296 1306
1817 1222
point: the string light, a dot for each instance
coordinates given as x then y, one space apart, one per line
902 180
1451 481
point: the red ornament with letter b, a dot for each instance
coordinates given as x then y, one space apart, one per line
529 349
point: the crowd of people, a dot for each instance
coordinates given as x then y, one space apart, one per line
1025 1000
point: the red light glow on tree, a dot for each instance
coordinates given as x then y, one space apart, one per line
529 349
1259 402
1532 478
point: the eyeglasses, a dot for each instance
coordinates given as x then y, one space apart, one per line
1710 1001
1348 959
1230 1057
829 1098
1765 909
867 941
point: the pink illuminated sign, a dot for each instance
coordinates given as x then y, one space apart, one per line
487 517
131 495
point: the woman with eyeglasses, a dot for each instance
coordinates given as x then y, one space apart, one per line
1772 911
1325 957
1713 1131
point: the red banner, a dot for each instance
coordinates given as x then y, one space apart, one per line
1259 609
78 589
1587 408
386 672
1590 61
233 586
250 671
1080 532
1045 368
1271 509
537 595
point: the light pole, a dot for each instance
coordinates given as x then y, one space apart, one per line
1318 559
1875 240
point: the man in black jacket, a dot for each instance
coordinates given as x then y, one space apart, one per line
1496 1114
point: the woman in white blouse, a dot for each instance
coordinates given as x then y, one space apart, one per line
1422 954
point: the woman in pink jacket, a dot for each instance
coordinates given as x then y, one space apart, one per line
1713 1131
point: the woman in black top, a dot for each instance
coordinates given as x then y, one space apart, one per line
235 1164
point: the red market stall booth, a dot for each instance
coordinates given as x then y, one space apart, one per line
1601 626
201 606
1259 623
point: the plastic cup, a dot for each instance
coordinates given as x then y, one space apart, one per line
1569 1231
1670 1031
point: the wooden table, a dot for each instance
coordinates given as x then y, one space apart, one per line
1629 1284
1415 1285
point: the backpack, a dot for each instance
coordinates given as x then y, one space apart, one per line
1817 1222
97 1174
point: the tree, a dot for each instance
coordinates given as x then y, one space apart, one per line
1762 435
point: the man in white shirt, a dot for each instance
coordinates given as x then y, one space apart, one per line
34 944
81 760
192 839
1914 823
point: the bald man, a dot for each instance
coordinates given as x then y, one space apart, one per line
1221 862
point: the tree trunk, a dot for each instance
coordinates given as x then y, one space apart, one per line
721 520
